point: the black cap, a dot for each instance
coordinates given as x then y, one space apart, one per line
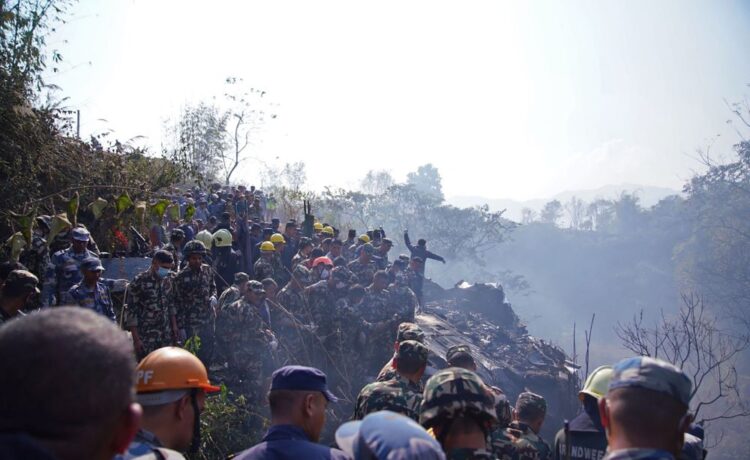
301 378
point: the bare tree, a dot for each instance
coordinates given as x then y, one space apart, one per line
248 116
693 341
576 210
528 216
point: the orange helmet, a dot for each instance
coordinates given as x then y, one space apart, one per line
172 368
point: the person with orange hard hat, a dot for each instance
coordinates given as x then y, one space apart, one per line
171 384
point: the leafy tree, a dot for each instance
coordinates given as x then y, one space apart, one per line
200 139
576 210
551 213
377 182
427 181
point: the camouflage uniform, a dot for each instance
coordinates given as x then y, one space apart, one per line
97 299
191 304
378 308
404 299
363 272
240 331
146 309
519 442
399 394
263 269
62 273
470 454
294 339
406 331
280 274
36 258
457 392
228 297
176 256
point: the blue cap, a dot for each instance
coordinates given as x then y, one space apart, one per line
80 234
301 378
652 374
386 435
91 264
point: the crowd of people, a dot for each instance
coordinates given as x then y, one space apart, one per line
296 317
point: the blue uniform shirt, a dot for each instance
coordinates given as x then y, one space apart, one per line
62 273
97 299
289 442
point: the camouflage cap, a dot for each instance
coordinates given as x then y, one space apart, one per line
341 274
241 277
194 247
302 274
530 401
21 281
81 234
412 352
453 392
409 331
652 374
256 287
458 352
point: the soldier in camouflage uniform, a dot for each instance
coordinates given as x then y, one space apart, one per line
194 300
364 267
406 331
36 257
242 334
147 306
403 297
17 289
289 317
521 440
280 273
456 401
401 394
174 247
234 292
378 309
64 268
322 300
263 267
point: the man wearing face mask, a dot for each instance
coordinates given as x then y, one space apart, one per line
172 386
645 411
147 312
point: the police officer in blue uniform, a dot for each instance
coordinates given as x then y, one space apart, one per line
64 271
298 398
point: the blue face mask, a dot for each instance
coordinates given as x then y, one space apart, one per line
162 272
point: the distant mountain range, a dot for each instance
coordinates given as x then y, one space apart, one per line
648 195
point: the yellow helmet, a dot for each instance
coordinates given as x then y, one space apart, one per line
318 227
597 383
364 238
277 238
267 246
328 230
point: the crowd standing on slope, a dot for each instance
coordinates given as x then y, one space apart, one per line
279 315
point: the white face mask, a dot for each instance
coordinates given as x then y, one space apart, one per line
324 274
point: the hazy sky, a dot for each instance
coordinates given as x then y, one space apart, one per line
508 99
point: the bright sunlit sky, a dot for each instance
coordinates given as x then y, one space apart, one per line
508 99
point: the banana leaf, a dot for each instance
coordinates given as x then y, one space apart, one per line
123 202
16 243
97 207
174 212
140 212
159 208
189 212
72 208
25 221
59 223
